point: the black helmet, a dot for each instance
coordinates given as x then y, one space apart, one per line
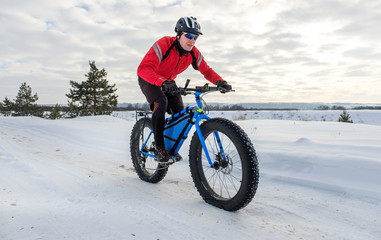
188 24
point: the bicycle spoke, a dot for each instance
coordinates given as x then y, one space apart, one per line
225 185
147 163
226 179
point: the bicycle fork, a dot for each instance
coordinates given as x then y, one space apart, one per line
201 137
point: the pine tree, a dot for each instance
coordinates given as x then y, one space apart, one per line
56 112
345 117
94 96
24 104
6 107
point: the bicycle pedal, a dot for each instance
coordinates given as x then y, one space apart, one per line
169 161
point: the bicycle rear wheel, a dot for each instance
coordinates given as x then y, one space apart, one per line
233 181
146 167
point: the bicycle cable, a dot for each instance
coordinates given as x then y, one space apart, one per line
205 106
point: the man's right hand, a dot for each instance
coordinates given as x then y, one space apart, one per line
224 85
168 86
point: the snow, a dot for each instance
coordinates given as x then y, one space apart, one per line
73 179
358 116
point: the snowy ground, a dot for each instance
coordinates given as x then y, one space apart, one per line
73 179
372 117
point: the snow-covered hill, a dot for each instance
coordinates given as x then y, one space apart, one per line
372 117
73 179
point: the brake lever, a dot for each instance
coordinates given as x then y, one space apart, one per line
187 83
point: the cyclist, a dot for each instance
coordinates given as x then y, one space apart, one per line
167 58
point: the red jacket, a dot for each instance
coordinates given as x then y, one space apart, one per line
155 70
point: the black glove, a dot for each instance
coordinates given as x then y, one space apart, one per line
225 86
168 86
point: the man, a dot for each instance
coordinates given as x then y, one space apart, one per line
167 58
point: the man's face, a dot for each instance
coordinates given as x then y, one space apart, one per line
187 41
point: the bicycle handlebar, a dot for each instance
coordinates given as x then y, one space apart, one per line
202 89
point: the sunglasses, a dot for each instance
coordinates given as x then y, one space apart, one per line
191 36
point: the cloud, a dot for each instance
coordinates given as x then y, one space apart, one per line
269 50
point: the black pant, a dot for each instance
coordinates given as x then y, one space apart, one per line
160 103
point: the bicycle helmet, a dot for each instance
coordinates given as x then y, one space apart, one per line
188 24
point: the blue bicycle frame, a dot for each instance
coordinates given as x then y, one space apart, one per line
198 115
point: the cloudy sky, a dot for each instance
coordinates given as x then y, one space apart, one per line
269 50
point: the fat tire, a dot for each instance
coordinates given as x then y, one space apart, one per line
248 158
136 142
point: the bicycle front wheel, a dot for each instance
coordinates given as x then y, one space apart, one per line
232 182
